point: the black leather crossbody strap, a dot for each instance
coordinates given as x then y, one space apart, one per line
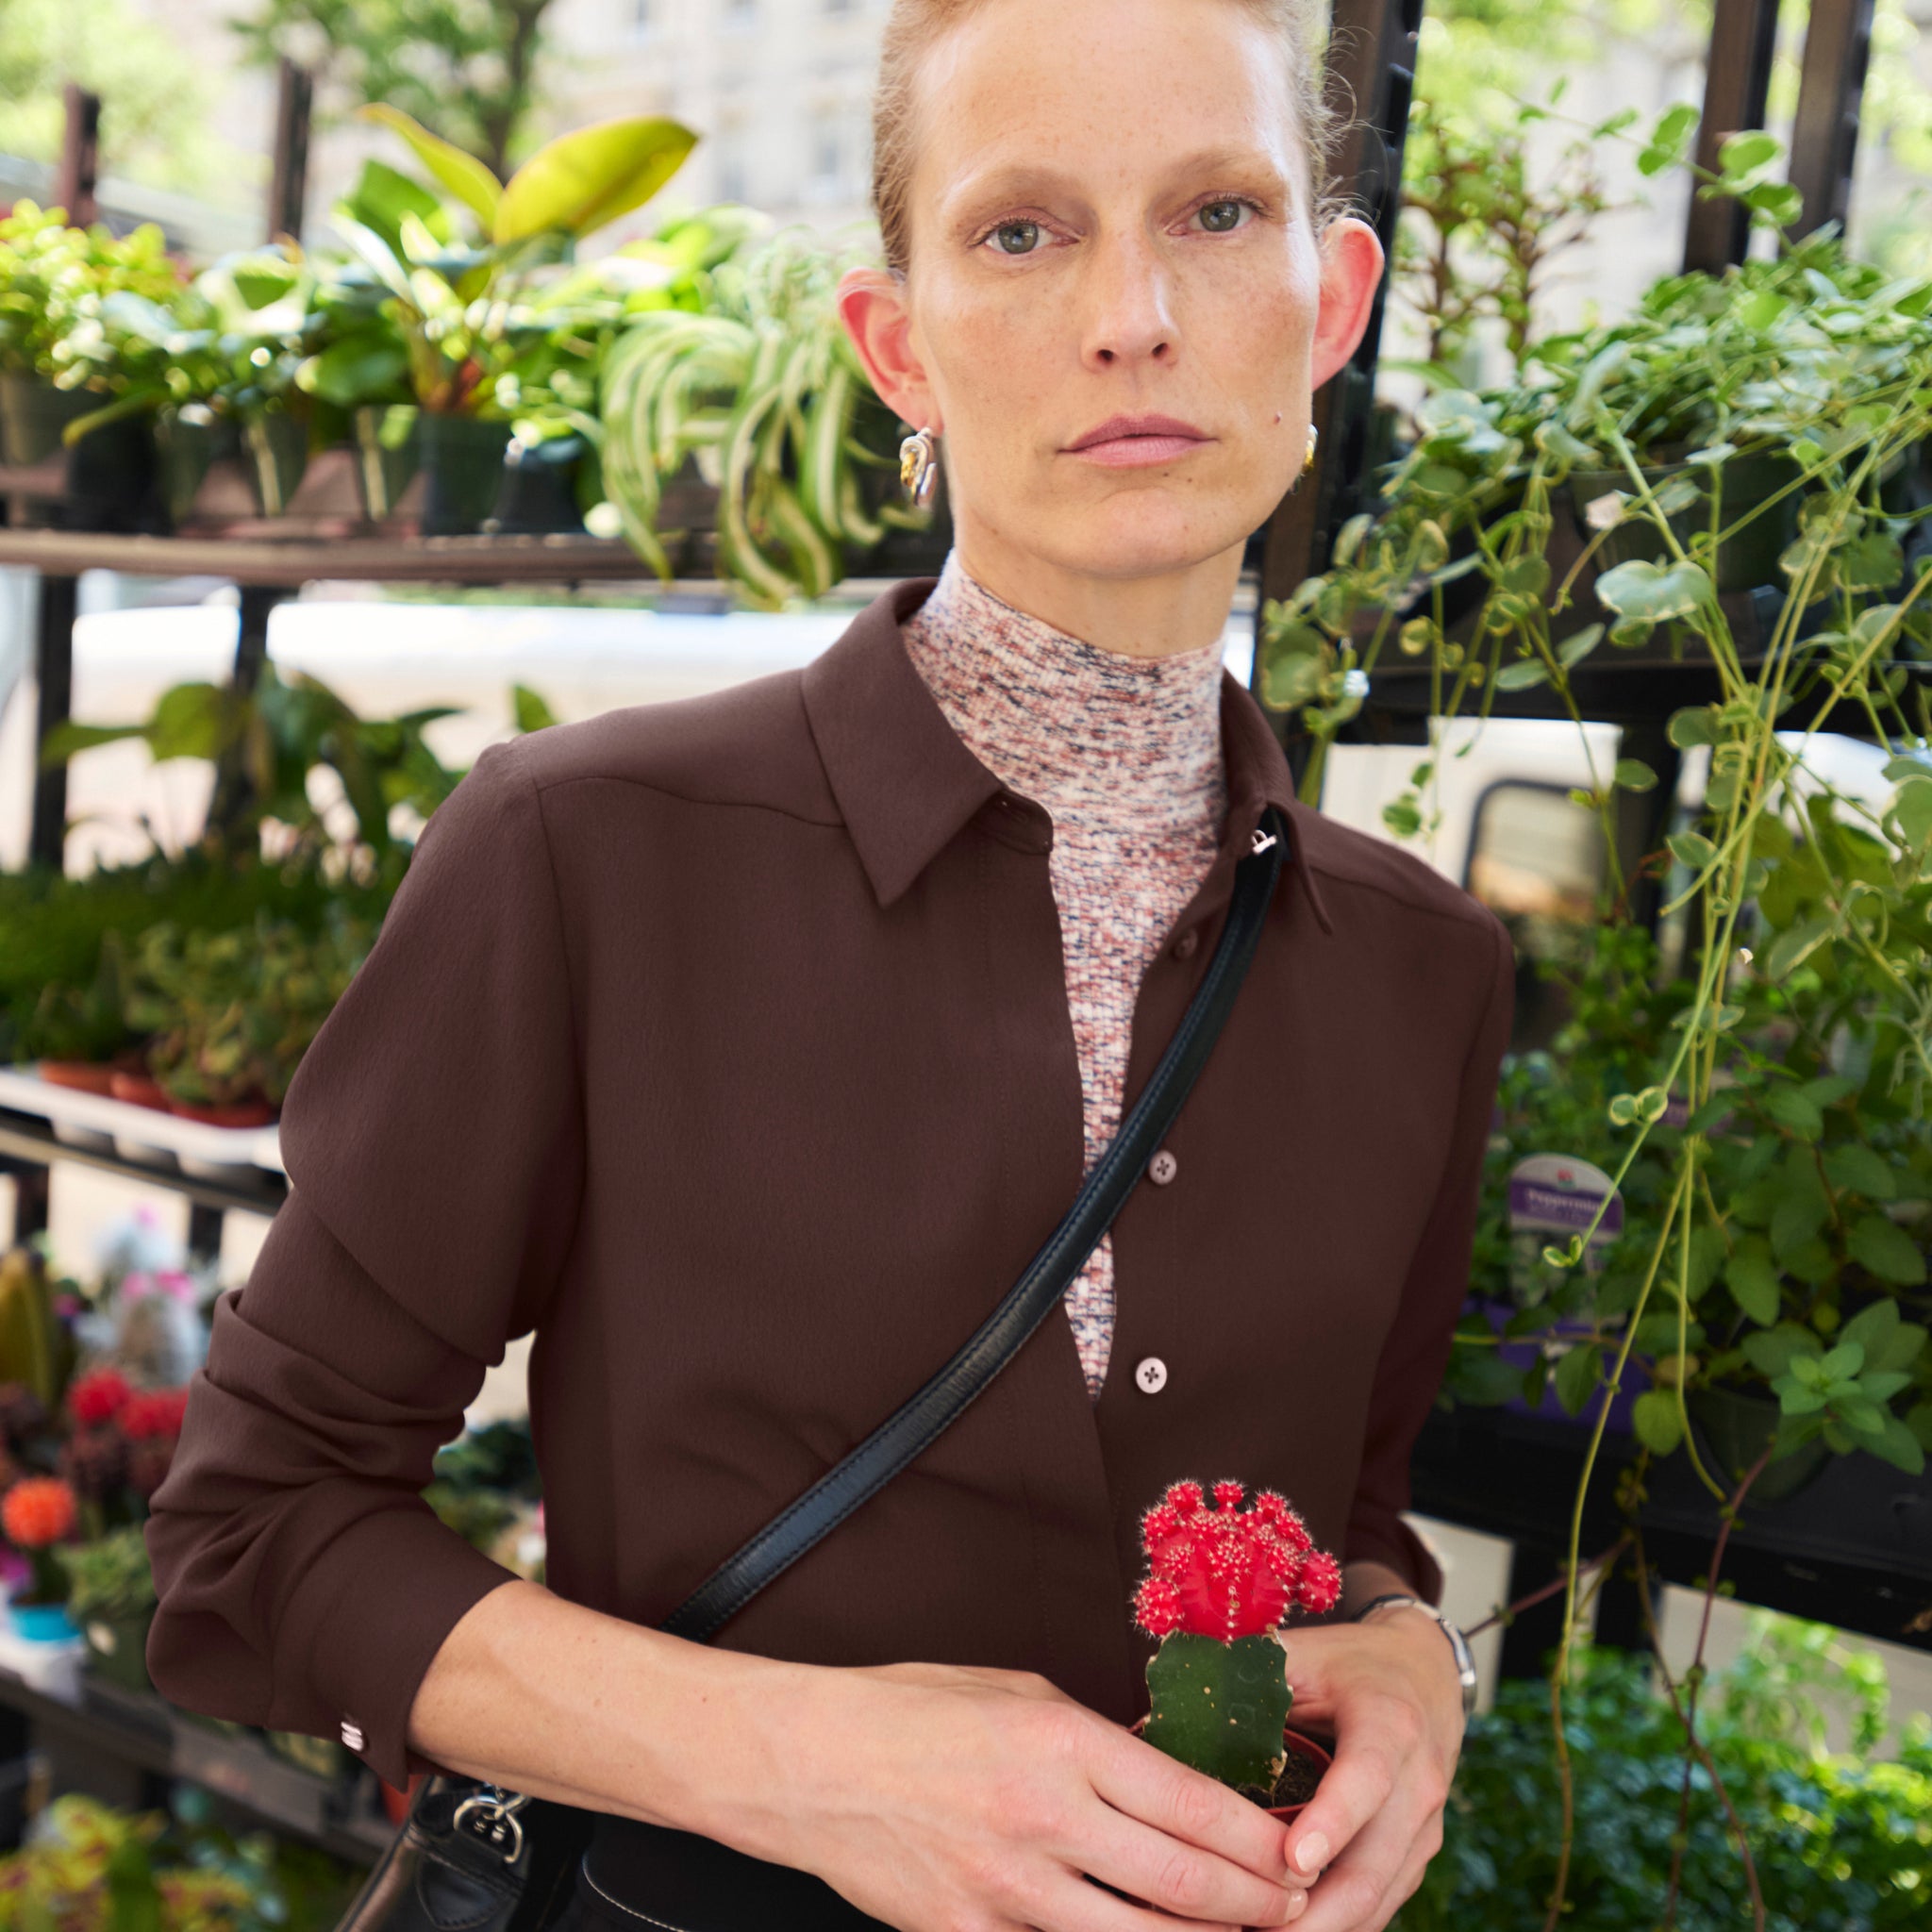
904 1435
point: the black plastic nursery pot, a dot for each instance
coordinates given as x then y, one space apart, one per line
462 471
1745 558
537 490
1733 1426
107 477
34 413
389 448
277 447
188 443
117 1649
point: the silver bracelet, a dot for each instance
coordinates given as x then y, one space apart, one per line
1465 1660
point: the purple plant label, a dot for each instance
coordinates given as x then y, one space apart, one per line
1553 1196
1677 1111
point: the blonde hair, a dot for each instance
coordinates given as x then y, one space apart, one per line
916 24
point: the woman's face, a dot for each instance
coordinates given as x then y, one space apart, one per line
1109 216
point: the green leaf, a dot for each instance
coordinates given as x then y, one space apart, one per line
1796 944
1753 1281
1633 774
1913 807
1897 1444
1578 645
1691 725
1845 1358
1653 591
1220 1707
1773 1351
1887 1250
1861 1169
585 178
1654 1416
1692 849
1796 1110
1577 1376
462 174
1523 675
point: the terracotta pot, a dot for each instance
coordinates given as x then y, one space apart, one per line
236 1113
90 1076
1305 1746
139 1089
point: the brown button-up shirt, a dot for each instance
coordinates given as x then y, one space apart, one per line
724 1043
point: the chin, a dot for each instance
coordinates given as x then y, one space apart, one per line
1143 533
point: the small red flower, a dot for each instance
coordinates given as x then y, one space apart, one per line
98 1396
1226 1572
156 1412
38 1510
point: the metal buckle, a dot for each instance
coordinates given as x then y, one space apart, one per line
1261 840
490 1815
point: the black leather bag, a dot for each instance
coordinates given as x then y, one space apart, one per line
475 1857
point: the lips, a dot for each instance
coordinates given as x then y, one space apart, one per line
1117 429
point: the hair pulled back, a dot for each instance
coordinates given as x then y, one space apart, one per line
915 25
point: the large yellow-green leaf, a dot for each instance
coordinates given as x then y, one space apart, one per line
462 174
581 180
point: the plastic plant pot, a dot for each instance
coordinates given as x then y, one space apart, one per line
388 449
537 493
42 1623
462 471
138 1088
1734 1425
234 1113
85 1077
277 448
1301 1745
33 414
1745 558
117 1650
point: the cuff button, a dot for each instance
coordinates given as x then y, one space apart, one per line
352 1733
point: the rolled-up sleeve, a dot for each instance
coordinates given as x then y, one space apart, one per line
1416 1352
433 1138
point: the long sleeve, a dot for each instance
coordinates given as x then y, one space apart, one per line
434 1142
1416 1352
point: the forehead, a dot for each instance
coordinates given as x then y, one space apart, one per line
1101 92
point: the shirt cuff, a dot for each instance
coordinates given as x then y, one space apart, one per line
368 1619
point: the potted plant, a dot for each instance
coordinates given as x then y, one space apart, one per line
1221 1582
38 1512
65 382
465 310
111 1596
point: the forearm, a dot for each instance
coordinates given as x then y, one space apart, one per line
544 1696
1364 1580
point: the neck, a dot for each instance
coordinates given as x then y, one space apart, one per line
1135 616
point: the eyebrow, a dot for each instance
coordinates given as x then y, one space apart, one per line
999 183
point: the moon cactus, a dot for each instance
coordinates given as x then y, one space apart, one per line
1221 1581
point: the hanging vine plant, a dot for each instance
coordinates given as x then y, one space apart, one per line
1627 492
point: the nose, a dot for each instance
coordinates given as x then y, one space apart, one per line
1130 301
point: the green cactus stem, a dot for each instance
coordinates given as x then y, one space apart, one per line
1221 1707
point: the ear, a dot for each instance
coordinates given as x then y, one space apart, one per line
872 305
1352 258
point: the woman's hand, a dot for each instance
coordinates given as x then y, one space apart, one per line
1390 1693
944 1799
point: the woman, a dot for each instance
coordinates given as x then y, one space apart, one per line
746 1048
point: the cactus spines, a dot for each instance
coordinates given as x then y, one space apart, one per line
1221 1581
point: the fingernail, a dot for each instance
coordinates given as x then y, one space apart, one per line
1313 1852
1297 1904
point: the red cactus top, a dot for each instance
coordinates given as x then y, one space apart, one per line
1228 1571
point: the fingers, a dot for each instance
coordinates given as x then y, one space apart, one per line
1379 1742
1182 1879
1383 1864
1068 1903
1185 1804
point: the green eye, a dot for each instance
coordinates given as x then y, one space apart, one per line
1221 227
1030 228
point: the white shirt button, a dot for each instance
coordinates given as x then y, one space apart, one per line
352 1733
1162 1168
1150 1376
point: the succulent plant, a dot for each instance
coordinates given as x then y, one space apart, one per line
1221 1581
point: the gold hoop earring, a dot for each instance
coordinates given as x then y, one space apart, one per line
919 466
1308 460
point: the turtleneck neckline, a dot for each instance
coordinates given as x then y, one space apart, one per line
1095 736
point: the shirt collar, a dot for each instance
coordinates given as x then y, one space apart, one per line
906 783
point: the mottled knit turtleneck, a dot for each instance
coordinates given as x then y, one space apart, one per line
1124 754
